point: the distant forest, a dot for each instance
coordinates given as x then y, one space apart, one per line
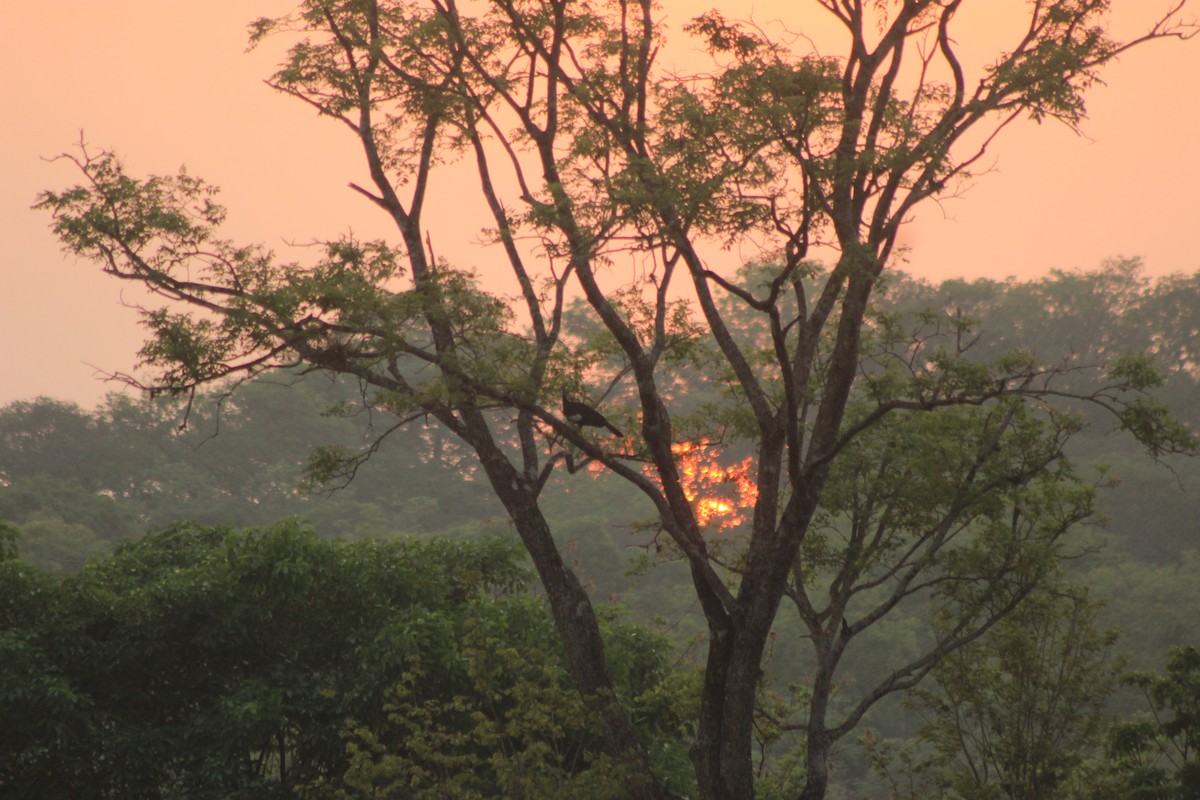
76 483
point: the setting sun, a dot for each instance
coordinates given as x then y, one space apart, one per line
720 495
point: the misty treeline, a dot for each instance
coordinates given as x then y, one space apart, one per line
394 640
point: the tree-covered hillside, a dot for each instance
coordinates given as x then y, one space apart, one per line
77 483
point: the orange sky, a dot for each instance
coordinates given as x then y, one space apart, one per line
169 83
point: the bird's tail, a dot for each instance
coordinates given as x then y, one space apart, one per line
613 428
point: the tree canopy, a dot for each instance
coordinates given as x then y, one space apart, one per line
214 663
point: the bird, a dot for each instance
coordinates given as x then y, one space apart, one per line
582 414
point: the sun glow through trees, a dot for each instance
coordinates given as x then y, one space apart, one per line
721 496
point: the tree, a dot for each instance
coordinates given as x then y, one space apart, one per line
587 152
126 467
43 717
1016 713
1088 316
209 662
31 433
1157 753
515 727
62 525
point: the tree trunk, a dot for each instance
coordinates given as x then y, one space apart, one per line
575 620
818 742
816 765
723 753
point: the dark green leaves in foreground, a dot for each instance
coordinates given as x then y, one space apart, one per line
212 663
1159 752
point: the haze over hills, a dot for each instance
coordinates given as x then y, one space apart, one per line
77 482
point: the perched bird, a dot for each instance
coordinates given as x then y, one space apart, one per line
582 414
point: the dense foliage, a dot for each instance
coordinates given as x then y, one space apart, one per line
212 663
1159 750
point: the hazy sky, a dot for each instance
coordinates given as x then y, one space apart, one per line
169 82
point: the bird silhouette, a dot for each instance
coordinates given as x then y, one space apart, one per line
582 414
